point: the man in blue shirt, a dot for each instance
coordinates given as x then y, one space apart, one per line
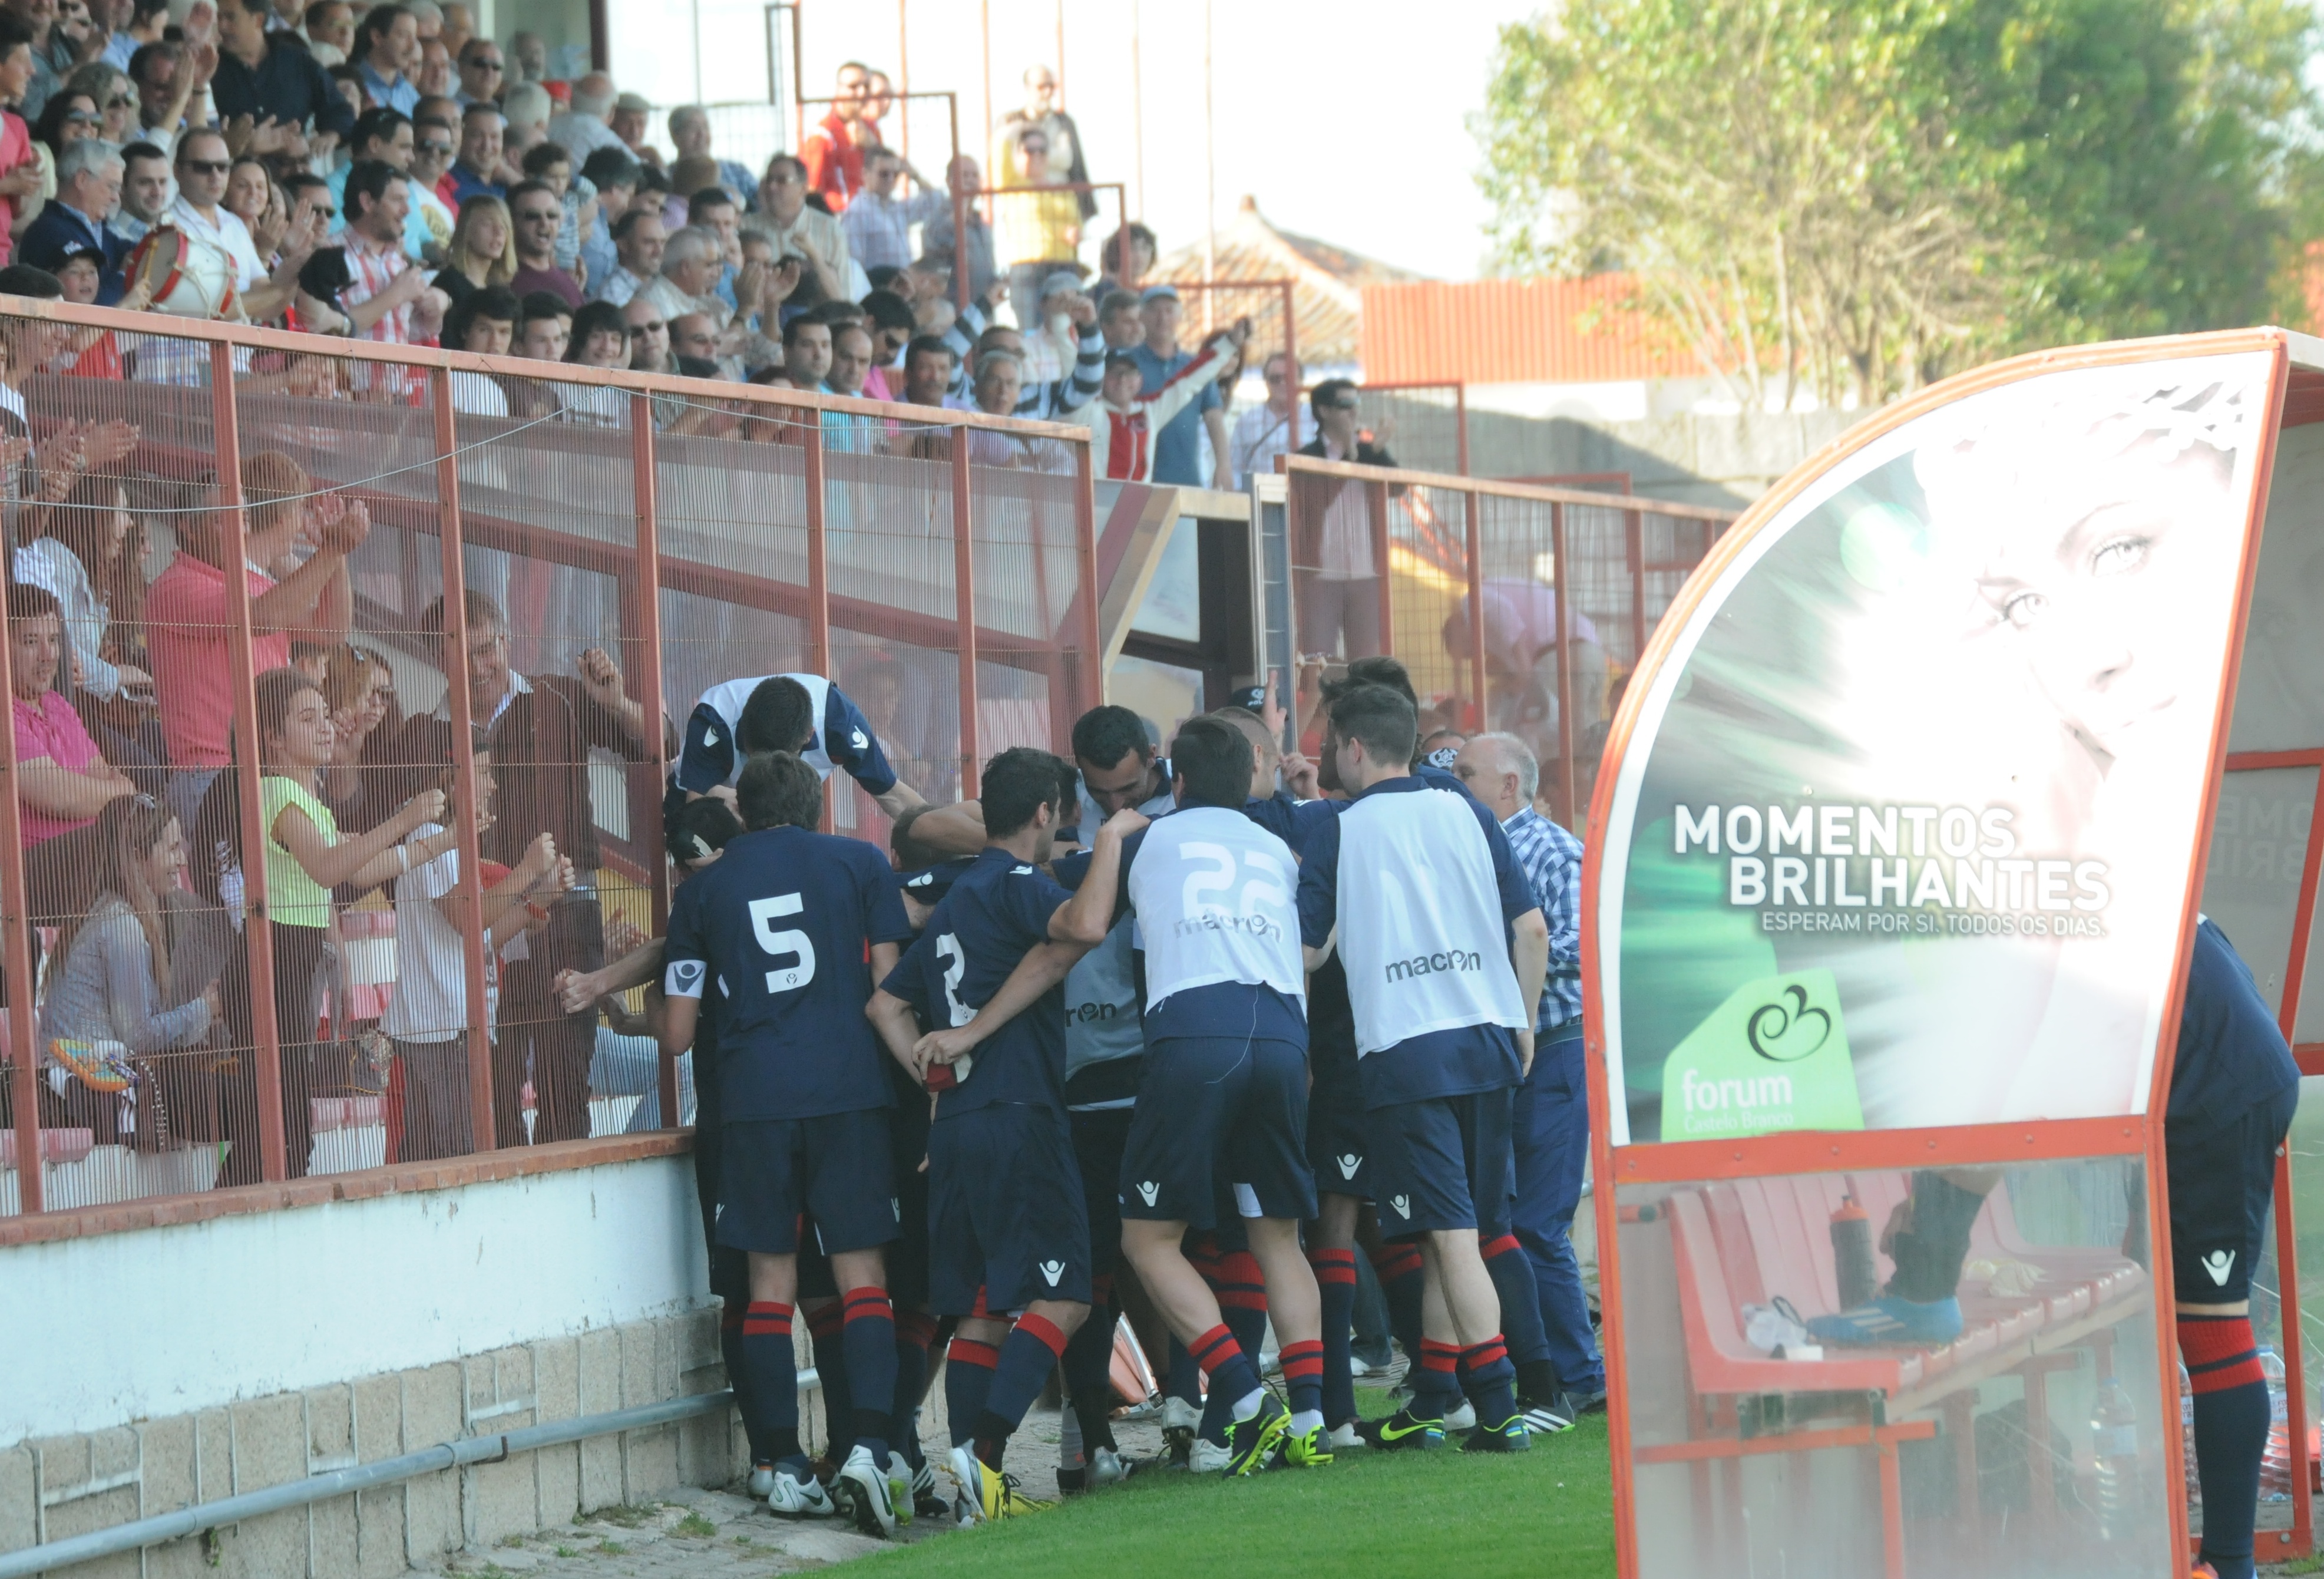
89 188
1444 949
387 38
1007 1228
1178 447
1551 1112
791 928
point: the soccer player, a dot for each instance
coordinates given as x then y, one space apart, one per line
1007 1227
793 925
1223 1096
801 713
1444 949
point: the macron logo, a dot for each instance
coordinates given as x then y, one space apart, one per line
710 737
1429 965
1147 1191
863 742
1403 1204
1053 1270
1349 1162
2219 1263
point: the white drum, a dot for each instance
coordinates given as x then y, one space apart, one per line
187 277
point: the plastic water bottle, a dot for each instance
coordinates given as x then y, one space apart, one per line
1851 1255
2113 1443
2187 1436
2276 1463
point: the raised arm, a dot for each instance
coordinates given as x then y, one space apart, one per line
370 859
1087 917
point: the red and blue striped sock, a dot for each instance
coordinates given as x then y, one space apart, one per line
968 1383
769 1385
1027 1354
1397 1267
868 1338
1303 1377
1235 1380
2233 1417
824 1325
1490 1376
1243 1306
1434 1388
1335 1286
730 1350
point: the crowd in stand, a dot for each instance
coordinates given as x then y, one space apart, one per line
386 173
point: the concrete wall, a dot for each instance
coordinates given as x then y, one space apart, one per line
1725 460
145 1370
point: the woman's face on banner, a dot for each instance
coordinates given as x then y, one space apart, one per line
2096 602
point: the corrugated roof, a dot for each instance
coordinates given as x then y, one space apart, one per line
1329 284
1517 331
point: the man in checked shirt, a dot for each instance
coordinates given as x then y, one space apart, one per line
1552 1120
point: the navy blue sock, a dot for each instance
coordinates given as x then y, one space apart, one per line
2232 1417
914 1330
1028 1355
868 1338
1184 1382
1436 1388
830 1348
1335 1285
768 1388
968 1383
730 1350
1233 1375
1490 1375
1243 1306
1397 1266
1521 1325
1089 1368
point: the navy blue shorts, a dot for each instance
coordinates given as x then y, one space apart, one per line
834 1167
1444 1163
908 1258
1005 1213
1099 1136
2222 1179
1222 1121
1339 1141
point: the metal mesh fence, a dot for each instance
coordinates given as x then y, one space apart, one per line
1426 426
305 854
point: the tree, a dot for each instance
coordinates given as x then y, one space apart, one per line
1860 195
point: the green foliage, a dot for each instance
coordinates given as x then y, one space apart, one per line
1860 195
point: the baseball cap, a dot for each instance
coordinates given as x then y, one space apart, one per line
1156 292
633 103
1062 280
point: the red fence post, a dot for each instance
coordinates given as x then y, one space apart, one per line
1090 690
258 930
483 1132
964 563
1634 548
1562 584
23 1032
1476 604
818 585
1376 498
647 679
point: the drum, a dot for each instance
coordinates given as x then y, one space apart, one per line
187 277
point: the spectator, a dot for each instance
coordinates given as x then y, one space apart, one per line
650 336
936 238
694 334
112 976
528 54
481 69
88 554
1123 422
305 860
785 217
1262 432
1038 400
380 133
89 188
168 77
690 134
108 88
250 197
54 49
832 155
133 22
1178 453
999 380
203 164
524 110
550 164
852 432
483 252
484 322
331 33
1334 562
1040 113
427 1018
478 168
1054 327
535 214
690 270
929 366
428 22
879 224
268 77
892 327
62 780
435 139
714 208
348 86
188 621
147 191
614 176
434 75
543 729
631 112
544 329
639 243
389 301
360 688
387 44
807 354
879 98
1521 662
20 166
600 338
1122 321
69 115
587 126
459 26
1128 257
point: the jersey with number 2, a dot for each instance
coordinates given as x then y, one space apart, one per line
997 913
777 932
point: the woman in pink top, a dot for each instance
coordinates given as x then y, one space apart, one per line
62 781
188 612
20 171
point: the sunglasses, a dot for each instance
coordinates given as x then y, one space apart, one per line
207 166
324 212
433 149
485 65
81 118
656 327
121 101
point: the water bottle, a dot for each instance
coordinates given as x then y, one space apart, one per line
2187 1437
2113 1443
2276 1463
1851 1255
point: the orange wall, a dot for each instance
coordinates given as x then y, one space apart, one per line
1516 331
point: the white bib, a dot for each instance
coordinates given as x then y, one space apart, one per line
1101 1005
1214 896
728 700
1421 933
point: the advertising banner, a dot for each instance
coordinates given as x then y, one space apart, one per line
1900 837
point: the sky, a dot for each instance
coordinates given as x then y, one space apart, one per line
1347 122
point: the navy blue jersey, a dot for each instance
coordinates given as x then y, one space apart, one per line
777 931
2231 1053
996 912
842 737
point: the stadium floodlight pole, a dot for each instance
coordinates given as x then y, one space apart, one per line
258 930
963 571
818 587
483 1132
644 678
23 1035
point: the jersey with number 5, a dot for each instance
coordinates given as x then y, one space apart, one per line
778 932
997 913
